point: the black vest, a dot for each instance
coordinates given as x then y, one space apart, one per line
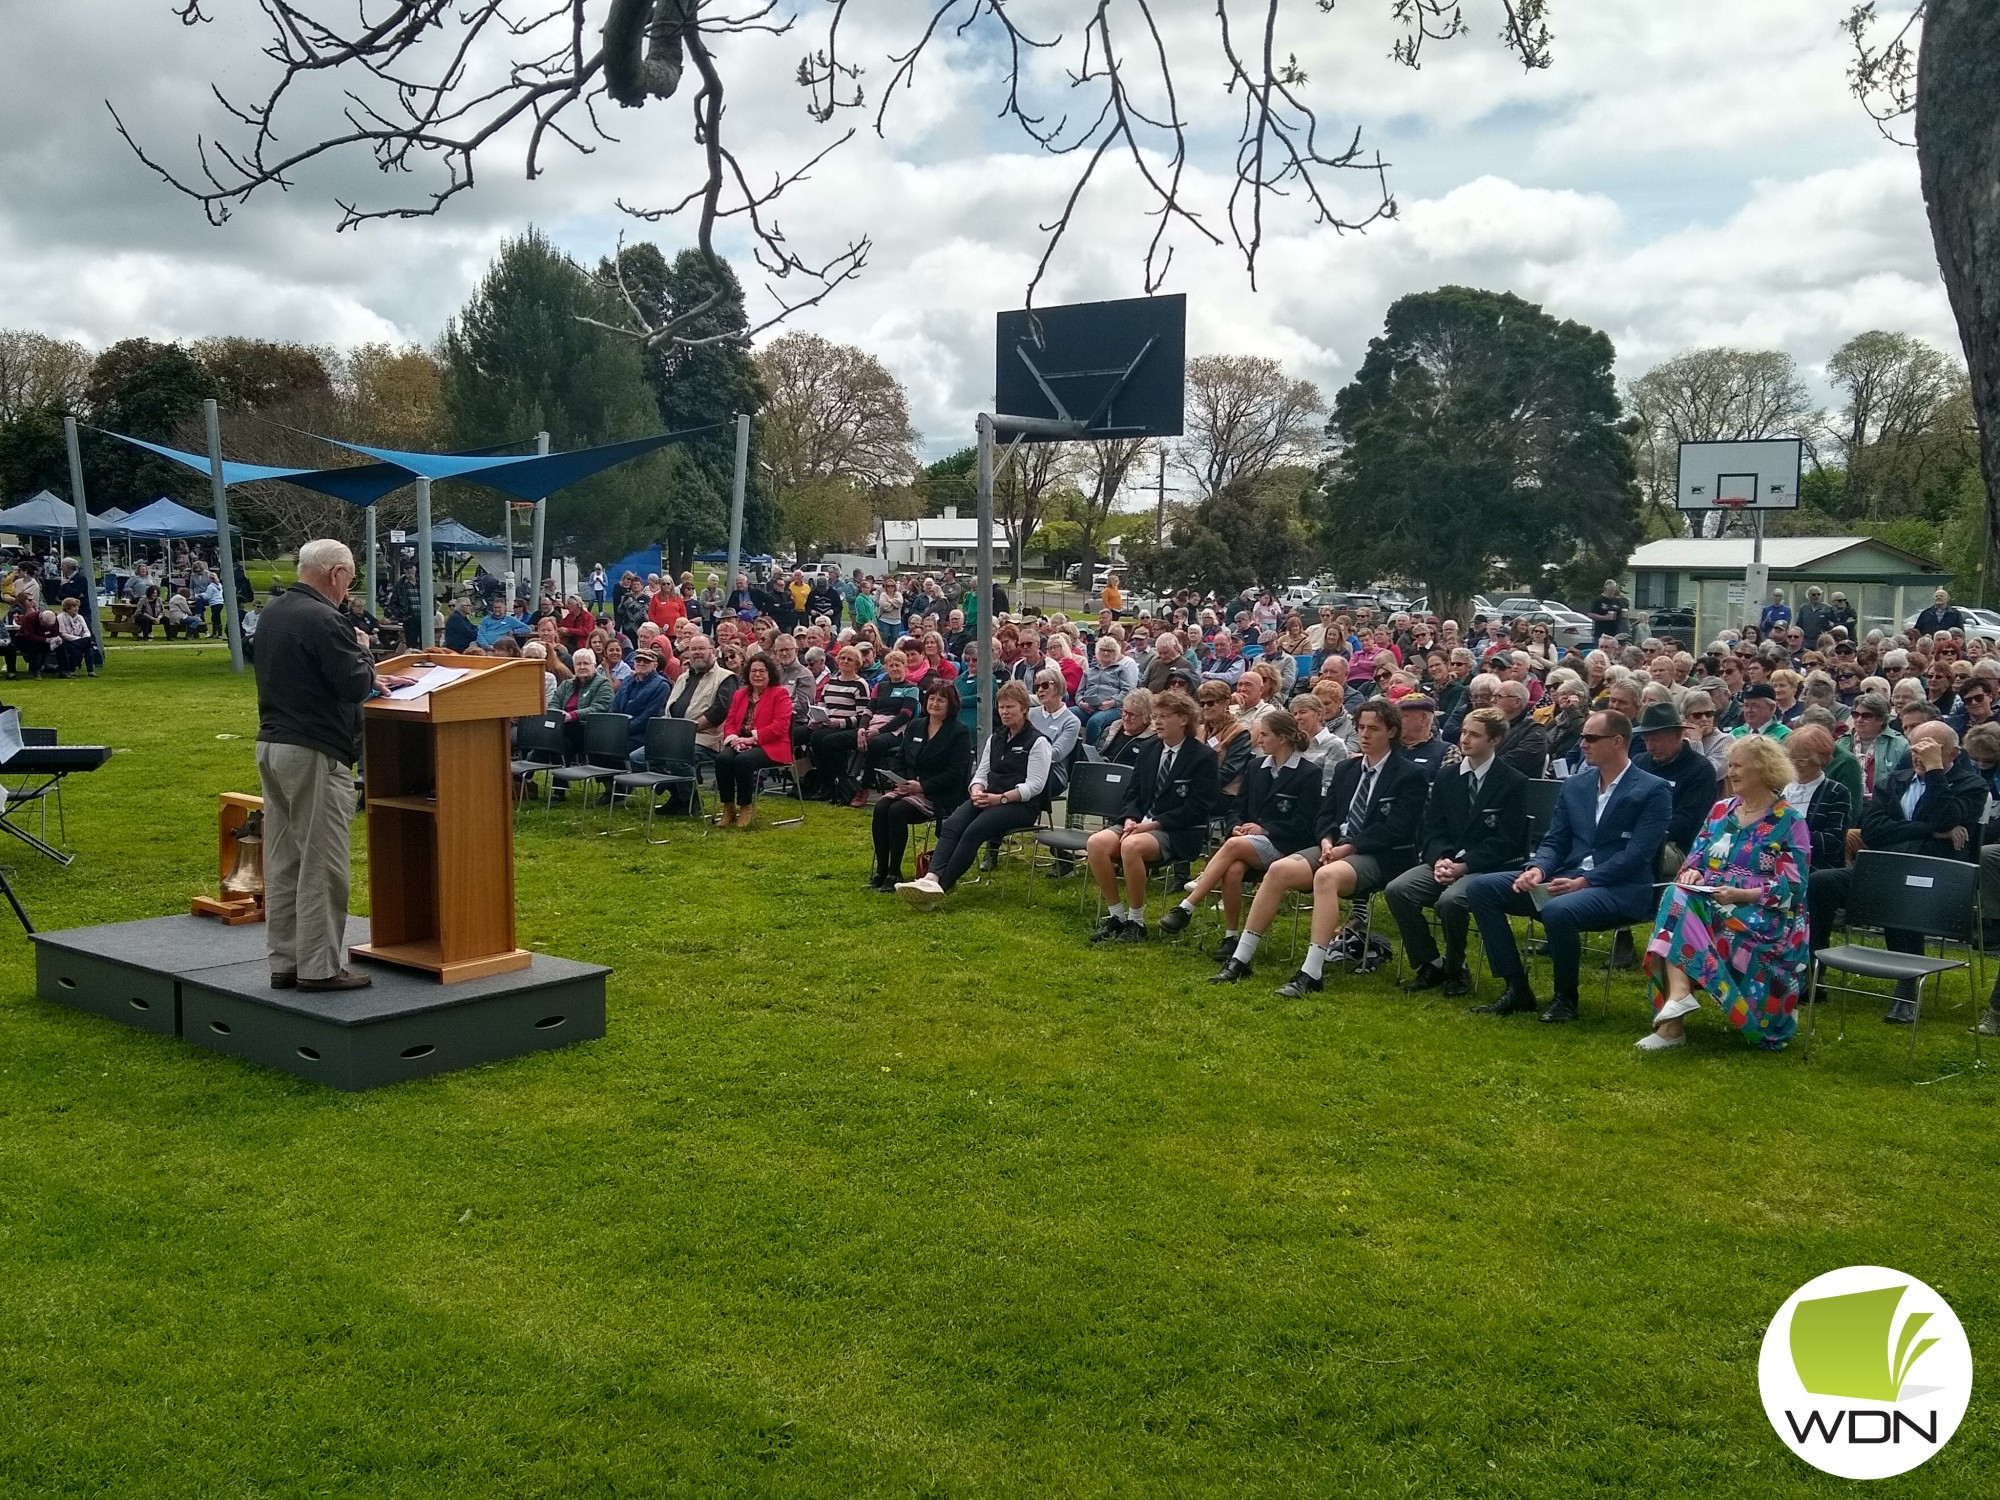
1007 761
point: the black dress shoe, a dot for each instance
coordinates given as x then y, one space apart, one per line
1901 1013
1223 951
1230 972
1106 929
1175 919
1623 954
1131 932
1458 982
1300 985
1514 999
1427 977
1562 1008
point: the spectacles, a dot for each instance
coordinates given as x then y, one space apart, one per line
1701 713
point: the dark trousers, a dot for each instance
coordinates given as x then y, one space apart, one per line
893 820
833 759
1826 898
1565 919
967 828
1408 895
736 774
83 653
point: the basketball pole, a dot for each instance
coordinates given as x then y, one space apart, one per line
983 684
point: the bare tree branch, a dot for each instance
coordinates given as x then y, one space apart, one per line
1883 75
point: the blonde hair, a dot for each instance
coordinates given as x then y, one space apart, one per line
1767 757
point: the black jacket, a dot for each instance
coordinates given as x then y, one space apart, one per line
1490 833
1428 756
312 675
1827 822
1692 776
1953 798
1189 799
941 763
1284 803
1388 828
1525 746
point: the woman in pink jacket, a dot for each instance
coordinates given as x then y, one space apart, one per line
757 733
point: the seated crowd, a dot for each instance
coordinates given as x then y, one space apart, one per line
1470 776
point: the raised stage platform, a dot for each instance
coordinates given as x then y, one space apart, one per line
208 984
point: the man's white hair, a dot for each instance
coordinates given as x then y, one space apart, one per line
323 554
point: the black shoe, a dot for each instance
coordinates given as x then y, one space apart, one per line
1458 982
881 883
1428 977
1374 956
1300 985
1901 1013
1514 999
1230 972
1132 932
1107 929
989 861
1223 951
1562 1008
1062 870
1176 918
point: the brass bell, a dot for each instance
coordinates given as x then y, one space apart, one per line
246 881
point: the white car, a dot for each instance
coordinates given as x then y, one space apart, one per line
1567 628
1984 623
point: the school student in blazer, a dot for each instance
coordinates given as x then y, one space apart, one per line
1368 822
1596 862
1475 822
1174 791
1280 805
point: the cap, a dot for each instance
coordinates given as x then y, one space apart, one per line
1659 716
1761 690
1420 703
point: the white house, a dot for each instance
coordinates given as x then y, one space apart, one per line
1884 584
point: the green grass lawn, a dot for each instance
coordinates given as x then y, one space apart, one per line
855 1202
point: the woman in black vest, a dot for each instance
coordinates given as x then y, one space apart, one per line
935 758
1280 805
1010 788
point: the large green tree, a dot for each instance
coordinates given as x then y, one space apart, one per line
518 359
1251 530
1480 435
701 377
145 390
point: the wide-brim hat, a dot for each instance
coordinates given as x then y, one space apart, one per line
1659 716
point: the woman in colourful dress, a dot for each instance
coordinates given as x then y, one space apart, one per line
1733 926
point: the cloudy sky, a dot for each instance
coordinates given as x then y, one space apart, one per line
1685 174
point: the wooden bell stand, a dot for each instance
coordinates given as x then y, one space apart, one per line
233 811
440 798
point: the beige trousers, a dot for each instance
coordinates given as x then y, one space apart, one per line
308 805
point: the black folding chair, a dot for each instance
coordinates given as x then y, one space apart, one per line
540 745
607 739
1938 899
792 773
669 763
1096 790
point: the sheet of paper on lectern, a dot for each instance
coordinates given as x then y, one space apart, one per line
428 681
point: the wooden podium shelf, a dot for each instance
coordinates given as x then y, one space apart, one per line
440 803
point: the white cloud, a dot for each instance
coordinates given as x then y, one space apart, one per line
1684 174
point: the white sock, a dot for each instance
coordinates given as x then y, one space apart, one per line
1136 914
1187 904
1315 960
1228 933
1116 909
1246 946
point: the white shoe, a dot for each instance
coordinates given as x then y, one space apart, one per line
1654 1042
923 894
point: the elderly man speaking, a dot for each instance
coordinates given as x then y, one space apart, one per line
313 674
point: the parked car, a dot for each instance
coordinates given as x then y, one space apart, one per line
1074 576
1567 628
1983 623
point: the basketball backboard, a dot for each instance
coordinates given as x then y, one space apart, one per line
1117 368
1762 474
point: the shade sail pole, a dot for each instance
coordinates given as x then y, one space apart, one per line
540 533
225 554
84 558
426 579
736 490
374 580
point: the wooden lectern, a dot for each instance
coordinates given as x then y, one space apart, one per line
440 801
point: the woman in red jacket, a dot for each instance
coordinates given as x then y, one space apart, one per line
576 625
757 733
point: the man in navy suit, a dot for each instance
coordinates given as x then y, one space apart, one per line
1596 863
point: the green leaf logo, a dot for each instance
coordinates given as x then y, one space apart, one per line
1840 1345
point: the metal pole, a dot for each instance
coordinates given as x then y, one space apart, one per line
374 580
225 555
983 683
540 531
426 580
507 512
84 559
736 489
1160 515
